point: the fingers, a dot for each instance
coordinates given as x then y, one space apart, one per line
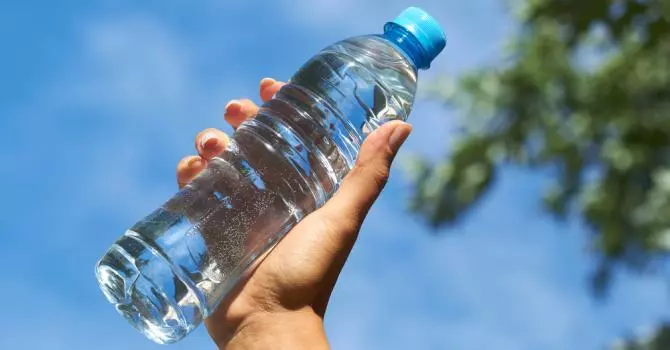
269 88
211 142
188 168
237 111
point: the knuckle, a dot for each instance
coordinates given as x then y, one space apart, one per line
249 107
377 173
357 171
326 223
335 227
247 103
349 226
381 176
183 163
229 118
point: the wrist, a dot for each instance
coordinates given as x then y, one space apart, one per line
295 329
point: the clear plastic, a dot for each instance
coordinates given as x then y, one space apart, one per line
170 270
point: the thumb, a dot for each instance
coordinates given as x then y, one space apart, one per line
361 187
339 220
344 213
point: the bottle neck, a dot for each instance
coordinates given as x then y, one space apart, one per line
408 43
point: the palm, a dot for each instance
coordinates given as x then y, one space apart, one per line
294 276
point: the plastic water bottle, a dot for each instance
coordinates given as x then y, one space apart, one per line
170 270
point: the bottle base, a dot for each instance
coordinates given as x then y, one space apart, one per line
162 308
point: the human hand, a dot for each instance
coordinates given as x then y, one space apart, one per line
283 303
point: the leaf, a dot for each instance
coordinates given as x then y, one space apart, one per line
601 129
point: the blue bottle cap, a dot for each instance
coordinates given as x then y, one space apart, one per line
425 28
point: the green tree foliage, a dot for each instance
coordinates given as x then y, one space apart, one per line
584 94
659 340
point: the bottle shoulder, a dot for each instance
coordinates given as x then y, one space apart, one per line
376 50
384 62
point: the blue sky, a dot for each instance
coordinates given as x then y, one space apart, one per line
101 99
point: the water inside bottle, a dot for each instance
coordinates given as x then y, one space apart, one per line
170 270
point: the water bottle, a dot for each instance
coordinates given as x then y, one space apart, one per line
171 269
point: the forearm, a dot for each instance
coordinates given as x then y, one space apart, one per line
295 330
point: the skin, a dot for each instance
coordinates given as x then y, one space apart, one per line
283 303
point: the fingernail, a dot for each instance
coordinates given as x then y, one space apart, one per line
233 106
399 135
208 140
267 81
